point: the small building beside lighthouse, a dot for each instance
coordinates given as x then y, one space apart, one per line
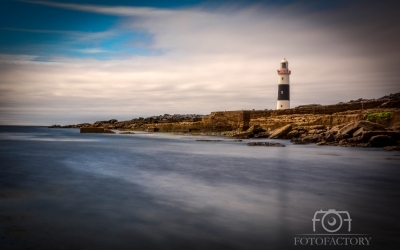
283 86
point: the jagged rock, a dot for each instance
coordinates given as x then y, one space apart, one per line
318 127
359 132
291 134
321 143
339 137
262 135
316 131
381 141
255 129
342 142
352 127
369 134
311 138
391 148
395 126
329 137
281 132
356 139
266 144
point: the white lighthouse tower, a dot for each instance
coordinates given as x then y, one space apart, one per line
283 86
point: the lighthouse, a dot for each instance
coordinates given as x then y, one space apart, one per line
283 86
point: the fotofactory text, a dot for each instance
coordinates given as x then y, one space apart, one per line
328 227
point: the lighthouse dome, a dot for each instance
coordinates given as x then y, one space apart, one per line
284 64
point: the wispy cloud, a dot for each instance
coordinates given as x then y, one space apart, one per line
203 60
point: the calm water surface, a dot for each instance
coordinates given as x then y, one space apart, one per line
60 189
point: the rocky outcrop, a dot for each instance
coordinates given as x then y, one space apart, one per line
281 132
345 124
382 141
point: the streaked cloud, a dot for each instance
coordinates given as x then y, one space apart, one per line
200 60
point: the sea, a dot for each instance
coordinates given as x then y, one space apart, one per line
60 189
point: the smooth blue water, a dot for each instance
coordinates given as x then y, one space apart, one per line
60 189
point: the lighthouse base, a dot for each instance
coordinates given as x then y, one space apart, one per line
283 104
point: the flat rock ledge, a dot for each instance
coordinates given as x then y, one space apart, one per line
265 144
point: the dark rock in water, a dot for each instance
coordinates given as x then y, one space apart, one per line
391 148
107 131
262 135
265 144
55 126
127 133
281 132
381 141
96 130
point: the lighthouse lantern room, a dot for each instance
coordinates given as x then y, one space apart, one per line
283 86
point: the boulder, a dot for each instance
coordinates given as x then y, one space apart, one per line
356 139
335 129
395 126
367 135
281 132
292 134
311 138
329 137
255 129
262 135
352 127
381 141
359 132
316 131
339 137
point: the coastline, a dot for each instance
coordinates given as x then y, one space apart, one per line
358 123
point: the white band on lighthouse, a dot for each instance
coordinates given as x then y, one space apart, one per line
283 86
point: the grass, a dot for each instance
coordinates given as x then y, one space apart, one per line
379 117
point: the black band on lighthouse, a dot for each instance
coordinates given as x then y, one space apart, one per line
283 92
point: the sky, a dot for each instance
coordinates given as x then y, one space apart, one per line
69 61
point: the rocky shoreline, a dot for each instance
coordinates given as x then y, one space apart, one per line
358 123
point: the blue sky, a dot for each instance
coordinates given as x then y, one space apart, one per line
75 61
